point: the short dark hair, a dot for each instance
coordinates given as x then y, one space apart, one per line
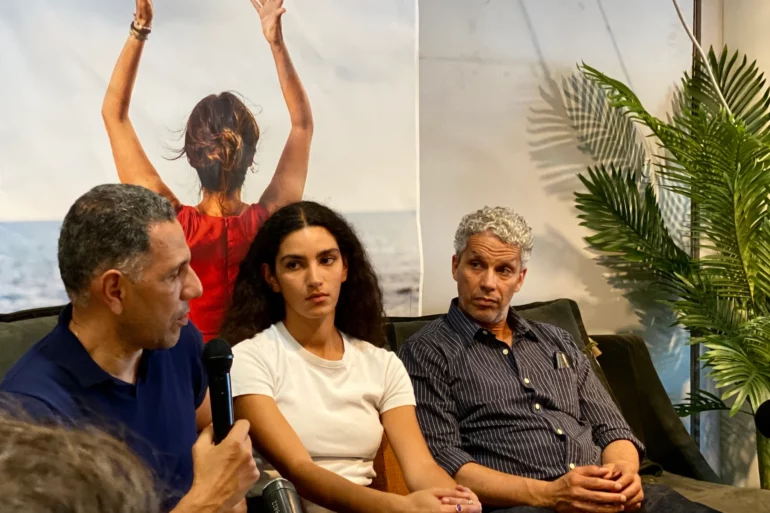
49 468
255 307
108 228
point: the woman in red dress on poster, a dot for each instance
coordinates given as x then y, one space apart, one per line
220 142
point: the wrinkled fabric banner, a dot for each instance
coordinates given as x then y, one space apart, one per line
356 60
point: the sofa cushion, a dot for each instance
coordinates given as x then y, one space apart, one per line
563 313
18 336
647 407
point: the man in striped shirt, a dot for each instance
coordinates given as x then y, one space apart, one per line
511 408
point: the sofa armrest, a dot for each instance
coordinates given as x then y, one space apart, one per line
648 410
389 476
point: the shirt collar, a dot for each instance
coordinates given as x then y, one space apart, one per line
71 355
470 330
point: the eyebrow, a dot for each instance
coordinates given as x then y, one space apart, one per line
323 253
473 255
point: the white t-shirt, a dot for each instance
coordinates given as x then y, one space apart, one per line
333 406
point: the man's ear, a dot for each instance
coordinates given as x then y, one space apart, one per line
270 279
112 288
455 265
522 275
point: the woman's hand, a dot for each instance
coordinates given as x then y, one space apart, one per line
466 499
438 500
143 13
270 12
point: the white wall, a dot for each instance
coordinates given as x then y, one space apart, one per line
493 132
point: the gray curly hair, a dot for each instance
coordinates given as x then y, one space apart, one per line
503 222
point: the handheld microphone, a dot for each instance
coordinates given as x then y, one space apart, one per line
217 359
762 419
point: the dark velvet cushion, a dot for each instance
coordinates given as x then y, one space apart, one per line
20 330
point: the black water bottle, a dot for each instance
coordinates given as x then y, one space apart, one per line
280 496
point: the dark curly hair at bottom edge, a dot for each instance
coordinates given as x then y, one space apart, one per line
255 307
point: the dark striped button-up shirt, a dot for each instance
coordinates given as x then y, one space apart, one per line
511 409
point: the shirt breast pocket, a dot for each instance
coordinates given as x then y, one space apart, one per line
562 386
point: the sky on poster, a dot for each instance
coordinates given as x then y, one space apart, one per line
356 58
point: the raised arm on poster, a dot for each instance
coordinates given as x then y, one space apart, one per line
288 183
220 143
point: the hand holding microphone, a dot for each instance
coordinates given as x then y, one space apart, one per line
226 471
223 465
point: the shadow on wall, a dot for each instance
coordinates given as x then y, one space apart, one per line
574 128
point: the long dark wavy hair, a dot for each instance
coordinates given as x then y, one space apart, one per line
255 307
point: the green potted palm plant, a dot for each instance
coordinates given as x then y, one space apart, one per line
714 150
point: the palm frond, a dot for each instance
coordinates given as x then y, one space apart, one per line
722 166
742 85
721 162
628 224
700 401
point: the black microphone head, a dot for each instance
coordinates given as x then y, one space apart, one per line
217 356
762 419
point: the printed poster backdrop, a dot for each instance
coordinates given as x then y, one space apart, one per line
356 60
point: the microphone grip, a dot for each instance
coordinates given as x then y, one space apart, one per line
280 496
221 405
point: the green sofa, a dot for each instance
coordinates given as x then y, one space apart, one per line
624 367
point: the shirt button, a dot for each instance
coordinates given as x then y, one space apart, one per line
537 406
559 432
526 381
505 351
572 466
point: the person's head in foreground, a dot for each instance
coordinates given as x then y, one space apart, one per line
492 247
53 469
125 265
306 266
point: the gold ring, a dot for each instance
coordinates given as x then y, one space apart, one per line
470 501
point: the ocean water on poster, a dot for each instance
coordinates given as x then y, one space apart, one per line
29 275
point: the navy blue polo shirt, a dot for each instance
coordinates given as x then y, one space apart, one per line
57 380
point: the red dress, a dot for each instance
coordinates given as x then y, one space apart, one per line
218 245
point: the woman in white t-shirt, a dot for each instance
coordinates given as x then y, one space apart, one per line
310 374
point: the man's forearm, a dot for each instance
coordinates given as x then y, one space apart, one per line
499 489
621 451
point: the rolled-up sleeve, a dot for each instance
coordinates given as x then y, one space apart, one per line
436 409
598 409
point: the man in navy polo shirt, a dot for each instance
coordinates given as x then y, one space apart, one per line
123 356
